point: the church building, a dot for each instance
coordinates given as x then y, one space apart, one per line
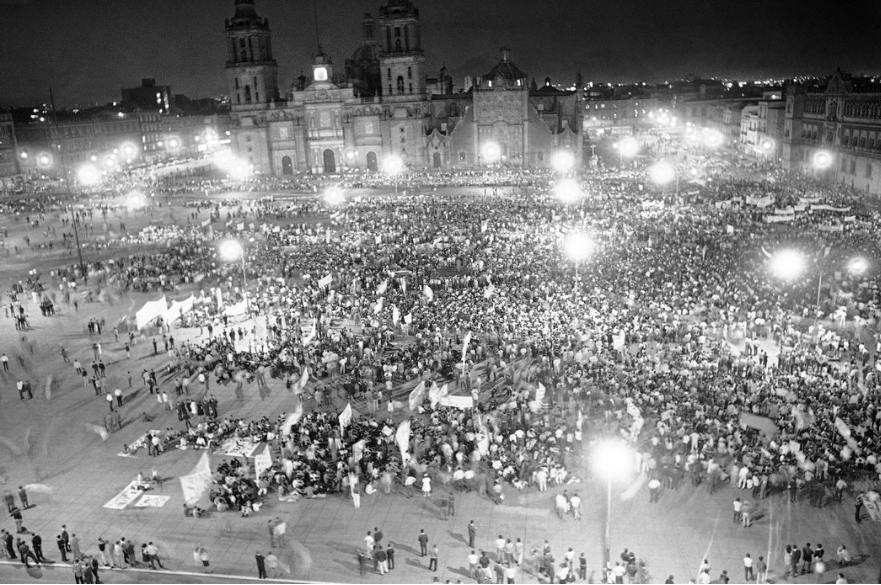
382 104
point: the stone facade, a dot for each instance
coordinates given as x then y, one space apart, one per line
385 105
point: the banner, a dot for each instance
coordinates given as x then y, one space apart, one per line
377 307
150 311
436 394
408 318
540 392
179 308
417 395
764 424
779 218
326 280
196 484
484 225
729 229
462 402
346 416
239 308
381 287
429 294
263 460
396 315
831 228
829 208
293 418
465 343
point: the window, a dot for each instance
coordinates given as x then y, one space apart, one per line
397 32
400 84
237 82
853 167
389 73
398 45
411 88
247 94
461 157
409 73
868 170
390 89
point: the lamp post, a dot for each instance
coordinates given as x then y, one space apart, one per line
578 247
567 190
612 459
563 161
663 173
232 251
393 165
627 146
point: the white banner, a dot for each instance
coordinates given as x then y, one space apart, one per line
829 208
239 308
402 438
429 294
326 280
152 501
263 460
346 416
197 483
417 395
150 311
457 401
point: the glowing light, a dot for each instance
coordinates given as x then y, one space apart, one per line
109 162
568 191
713 138
822 160
563 161
662 173
392 165
135 200
23 155
231 250
129 150
788 264
857 266
578 246
239 170
350 155
612 459
767 145
44 159
491 152
334 196
88 175
628 146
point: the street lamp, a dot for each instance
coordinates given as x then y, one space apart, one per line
563 161
135 200
88 175
857 266
233 251
568 190
334 196
767 145
822 160
393 165
713 138
662 173
788 264
44 160
627 146
491 152
239 170
578 247
129 150
612 459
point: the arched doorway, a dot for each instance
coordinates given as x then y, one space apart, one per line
371 162
437 160
287 166
329 161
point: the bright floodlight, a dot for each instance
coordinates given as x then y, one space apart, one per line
88 175
578 246
767 145
857 266
44 159
563 161
662 173
23 155
568 191
692 137
239 170
231 250
392 165
628 146
491 152
109 161
173 143
822 160
129 150
612 459
350 155
334 196
135 200
224 160
713 138
788 264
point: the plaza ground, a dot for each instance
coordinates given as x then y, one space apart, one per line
45 441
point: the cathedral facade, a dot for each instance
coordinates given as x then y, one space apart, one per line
382 105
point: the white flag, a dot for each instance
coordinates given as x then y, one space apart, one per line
346 416
381 287
417 395
396 315
429 294
403 284
377 308
293 418
465 343
402 437
304 377
408 318
483 225
535 405
488 291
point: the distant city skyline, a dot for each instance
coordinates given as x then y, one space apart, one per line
88 51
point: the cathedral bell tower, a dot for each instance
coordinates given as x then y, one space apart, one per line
250 69
401 63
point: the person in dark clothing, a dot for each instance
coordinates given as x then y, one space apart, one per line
261 565
37 543
390 552
62 546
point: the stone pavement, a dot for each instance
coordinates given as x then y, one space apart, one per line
45 441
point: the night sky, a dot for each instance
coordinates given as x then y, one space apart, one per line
88 49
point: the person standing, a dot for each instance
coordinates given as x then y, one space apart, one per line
451 504
654 490
423 543
390 553
272 564
23 496
796 557
807 559
75 547
761 570
62 547
154 555
78 572
37 543
381 558
261 565
472 534
575 505
748 574
200 555
369 542
16 515
432 561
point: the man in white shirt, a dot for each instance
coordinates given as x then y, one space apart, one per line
575 503
748 568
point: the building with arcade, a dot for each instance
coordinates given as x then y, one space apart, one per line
382 104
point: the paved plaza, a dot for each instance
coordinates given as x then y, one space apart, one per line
46 441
